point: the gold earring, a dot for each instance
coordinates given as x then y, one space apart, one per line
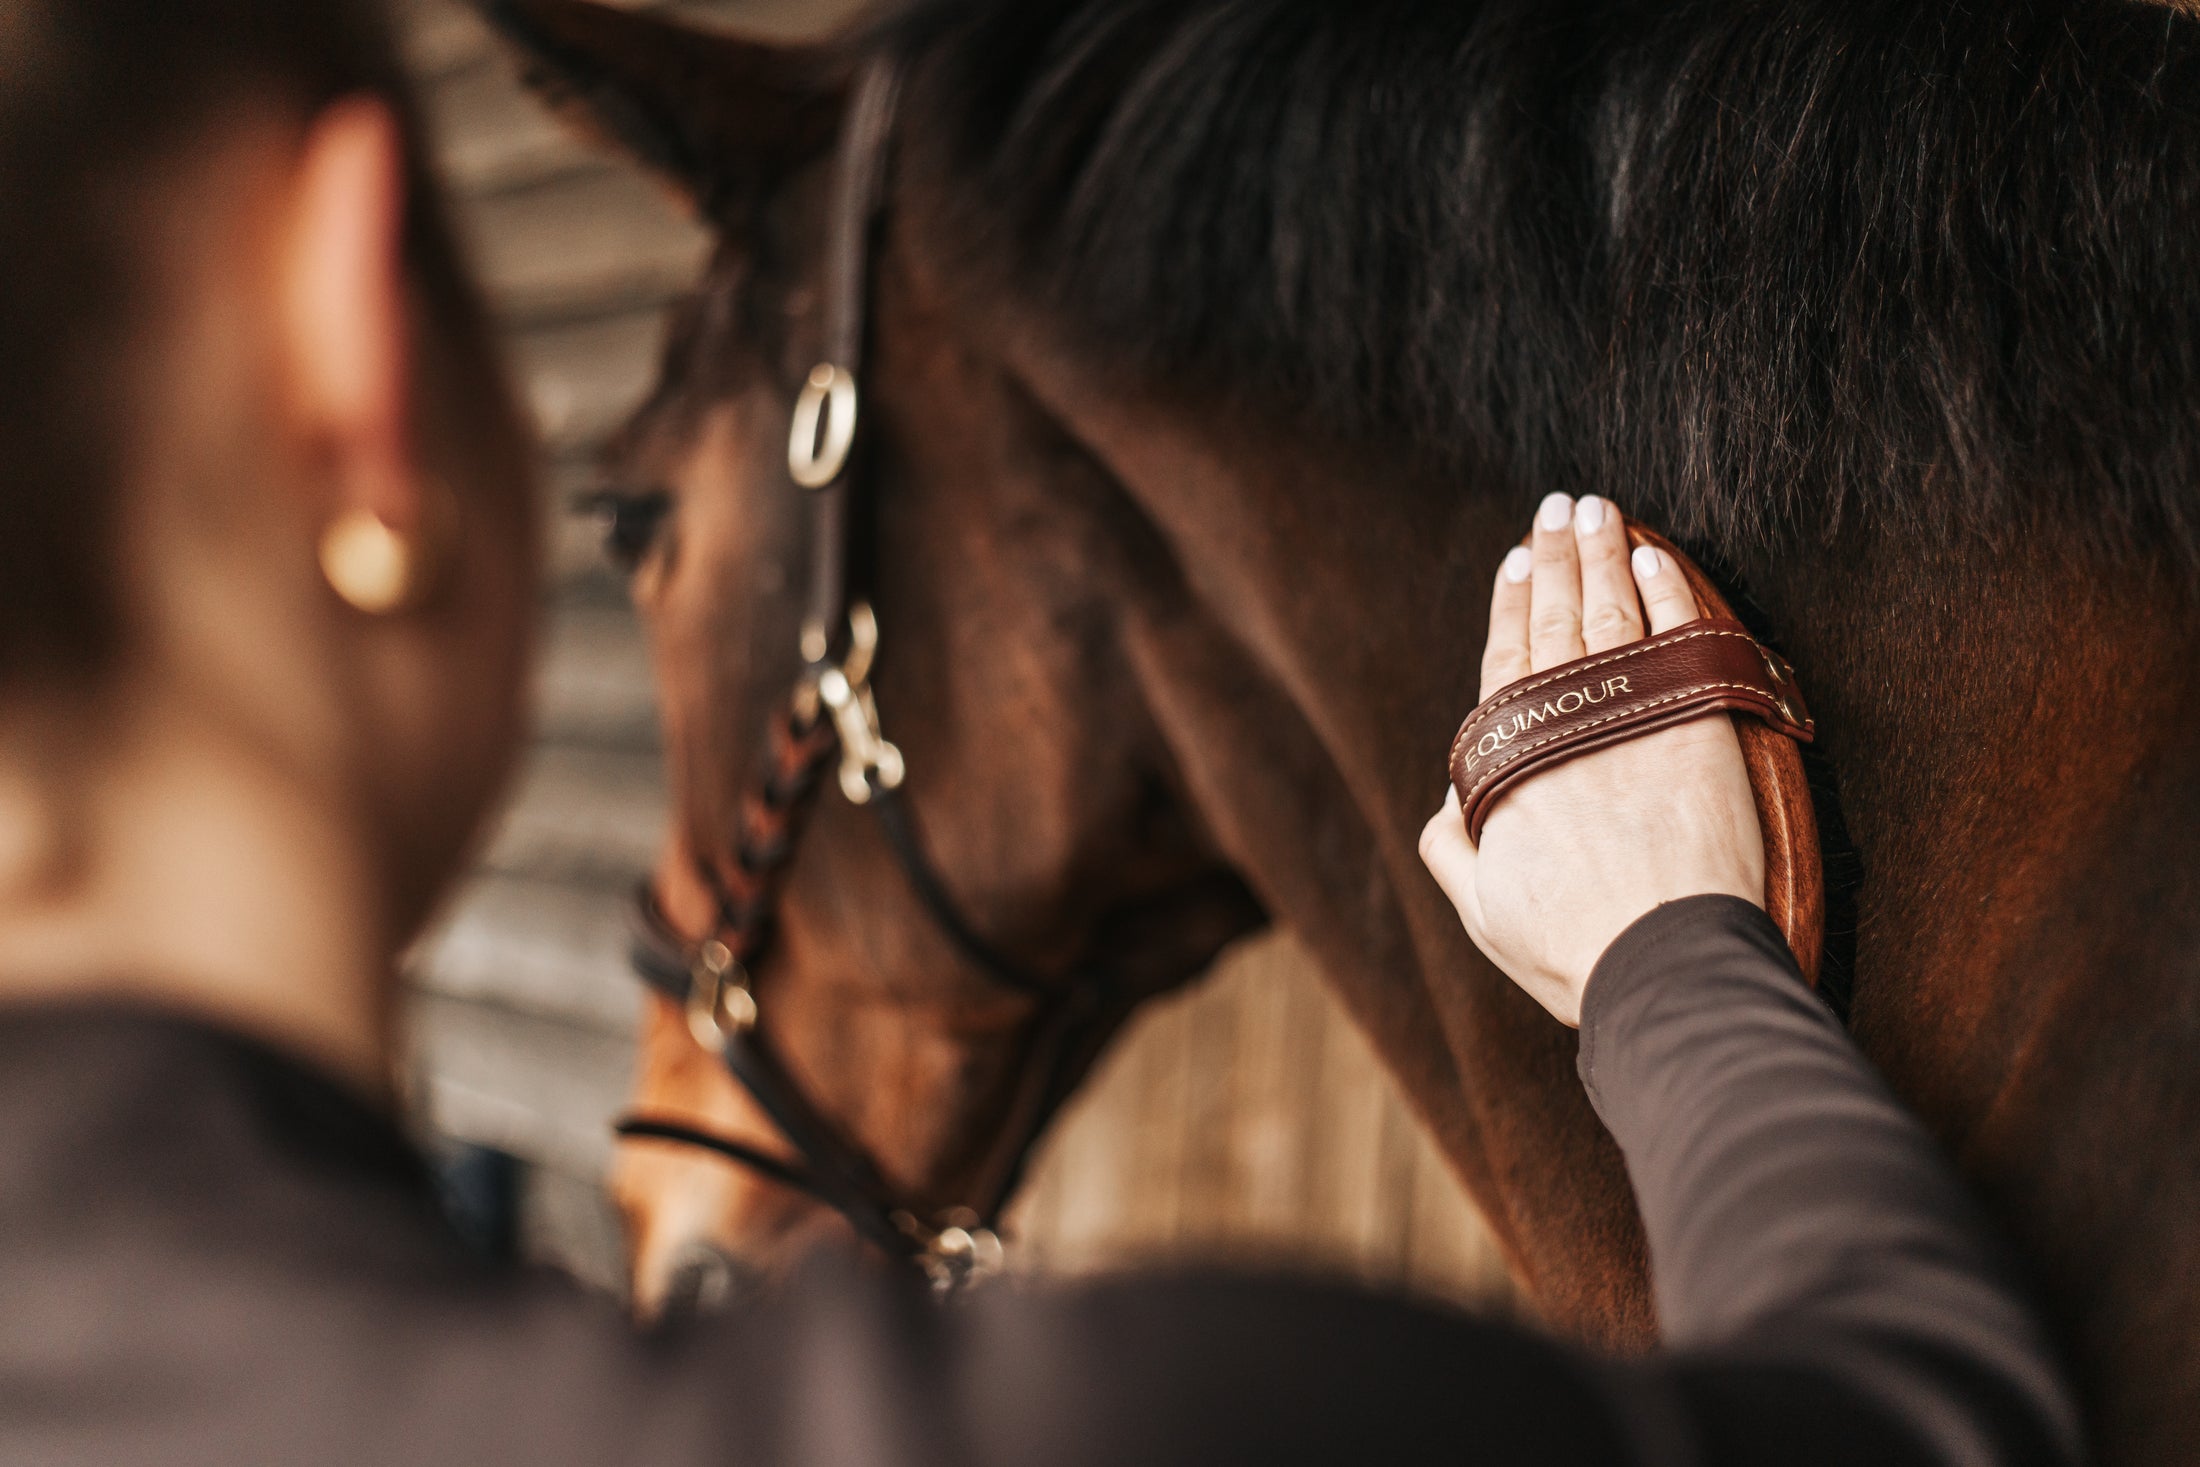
374 568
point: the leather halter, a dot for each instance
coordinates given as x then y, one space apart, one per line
832 713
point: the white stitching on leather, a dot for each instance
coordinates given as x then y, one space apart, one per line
1632 649
1482 780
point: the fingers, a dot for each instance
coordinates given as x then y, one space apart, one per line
1575 589
1554 601
1505 659
1665 593
1611 612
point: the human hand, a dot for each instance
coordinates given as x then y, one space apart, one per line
1574 854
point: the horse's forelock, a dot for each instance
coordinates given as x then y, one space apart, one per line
1754 267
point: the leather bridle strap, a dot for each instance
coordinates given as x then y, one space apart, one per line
833 711
1068 1030
1005 972
828 409
830 1170
788 1174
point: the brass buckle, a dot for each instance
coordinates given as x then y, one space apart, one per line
829 400
956 1253
720 1004
1783 688
868 762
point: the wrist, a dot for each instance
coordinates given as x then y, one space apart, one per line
1658 951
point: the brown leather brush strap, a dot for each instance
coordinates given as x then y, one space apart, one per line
1623 694
1708 665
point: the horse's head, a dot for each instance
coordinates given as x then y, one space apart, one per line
1002 563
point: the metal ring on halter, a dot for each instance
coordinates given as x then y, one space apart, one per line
719 1001
829 401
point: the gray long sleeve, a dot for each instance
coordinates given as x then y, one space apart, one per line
210 1252
1797 1215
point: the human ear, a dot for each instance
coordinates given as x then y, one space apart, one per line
345 320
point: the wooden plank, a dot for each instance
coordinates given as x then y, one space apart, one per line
1109 1168
1150 1210
1036 1217
440 38
1287 1184
1346 1130
1283 1082
492 134
444 37
568 1223
1095 1154
1384 1255
542 1090
582 814
1281 1010
593 685
582 243
1311 1017
1452 1253
1211 1173
544 948
583 379
772 20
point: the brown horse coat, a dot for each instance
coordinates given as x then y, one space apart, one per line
1183 530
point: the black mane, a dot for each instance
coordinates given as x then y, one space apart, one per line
1749 264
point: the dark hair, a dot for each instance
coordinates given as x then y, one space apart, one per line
1758 267
96 97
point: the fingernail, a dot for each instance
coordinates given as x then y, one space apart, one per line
1589 514
1556 511
1519 563
1647 563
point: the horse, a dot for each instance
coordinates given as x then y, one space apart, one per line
1216 351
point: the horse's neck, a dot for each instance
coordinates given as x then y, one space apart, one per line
1308 679
1324 646
2015 737
2013 732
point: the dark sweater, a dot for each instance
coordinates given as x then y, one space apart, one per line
211 1255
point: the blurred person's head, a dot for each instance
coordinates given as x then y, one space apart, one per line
267 495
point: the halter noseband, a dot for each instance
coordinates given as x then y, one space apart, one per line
832 713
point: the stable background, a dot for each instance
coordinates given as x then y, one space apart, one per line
1243 1120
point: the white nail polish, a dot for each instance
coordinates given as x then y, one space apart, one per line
1589 514
1647 563
1519 564
1557 510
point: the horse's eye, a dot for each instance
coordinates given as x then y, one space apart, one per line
630 521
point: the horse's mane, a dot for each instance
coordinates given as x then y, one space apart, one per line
1750 264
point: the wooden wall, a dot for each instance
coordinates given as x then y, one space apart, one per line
1245 1119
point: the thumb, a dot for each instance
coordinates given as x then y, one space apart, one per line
1451 857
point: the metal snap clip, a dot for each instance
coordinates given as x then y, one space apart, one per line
720 1004
868 762
1783 687
956 1252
